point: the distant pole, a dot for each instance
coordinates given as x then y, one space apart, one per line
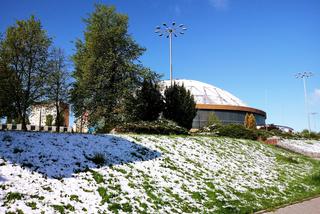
303 76
314 114
170 39
168 31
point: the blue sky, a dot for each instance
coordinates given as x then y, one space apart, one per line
251 48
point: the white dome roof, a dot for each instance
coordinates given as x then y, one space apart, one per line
206 94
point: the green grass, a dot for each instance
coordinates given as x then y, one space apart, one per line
32 204
62 208
11 197
194 175
97 177
75 198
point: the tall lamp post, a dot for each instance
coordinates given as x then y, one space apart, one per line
168 31
303 76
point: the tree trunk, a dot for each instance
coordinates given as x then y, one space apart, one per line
58 118
24 124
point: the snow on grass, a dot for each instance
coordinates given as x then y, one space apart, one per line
307 147
44 172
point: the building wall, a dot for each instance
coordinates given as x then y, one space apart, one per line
226 117
46 109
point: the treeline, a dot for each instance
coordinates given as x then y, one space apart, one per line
108 84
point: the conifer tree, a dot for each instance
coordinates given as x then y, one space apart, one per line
147 104
179 105
106 68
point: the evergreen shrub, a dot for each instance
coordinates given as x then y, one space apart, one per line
236 131
165 127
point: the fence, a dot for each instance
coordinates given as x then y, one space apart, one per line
18 127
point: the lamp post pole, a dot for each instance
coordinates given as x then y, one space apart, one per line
170 39
168 31
303 76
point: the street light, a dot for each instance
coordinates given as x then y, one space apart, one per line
303 76
168 31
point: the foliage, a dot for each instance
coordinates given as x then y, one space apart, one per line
7 77
213 119
12 197
237 131
98 158
105 68
250 121
24 56
154 127
147 104
58 85
97 176
179 106
49 120
310 135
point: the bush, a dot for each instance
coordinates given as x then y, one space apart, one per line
213 119
154 127
237 131
98 158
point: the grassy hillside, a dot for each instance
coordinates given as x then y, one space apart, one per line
148 174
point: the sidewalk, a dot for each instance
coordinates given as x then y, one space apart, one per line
307 207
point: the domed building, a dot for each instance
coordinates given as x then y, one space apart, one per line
227 107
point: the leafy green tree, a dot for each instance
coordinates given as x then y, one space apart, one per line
49 120
179 105
24 54
105 67
213 119
147 104
58 85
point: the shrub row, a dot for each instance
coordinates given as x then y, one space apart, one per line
165 127
239 131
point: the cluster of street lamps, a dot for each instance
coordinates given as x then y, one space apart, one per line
168 31
174 30
304 75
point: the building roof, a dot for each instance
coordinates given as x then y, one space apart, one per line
206 94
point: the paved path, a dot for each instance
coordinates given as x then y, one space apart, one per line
307 207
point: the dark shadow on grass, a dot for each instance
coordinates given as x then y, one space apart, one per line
2 179
61 155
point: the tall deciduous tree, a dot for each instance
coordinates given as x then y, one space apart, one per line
58 84
24 54
179 105
105 67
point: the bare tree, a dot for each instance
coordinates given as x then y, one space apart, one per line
58 84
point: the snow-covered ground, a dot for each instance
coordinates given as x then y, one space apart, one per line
307 147
47 172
